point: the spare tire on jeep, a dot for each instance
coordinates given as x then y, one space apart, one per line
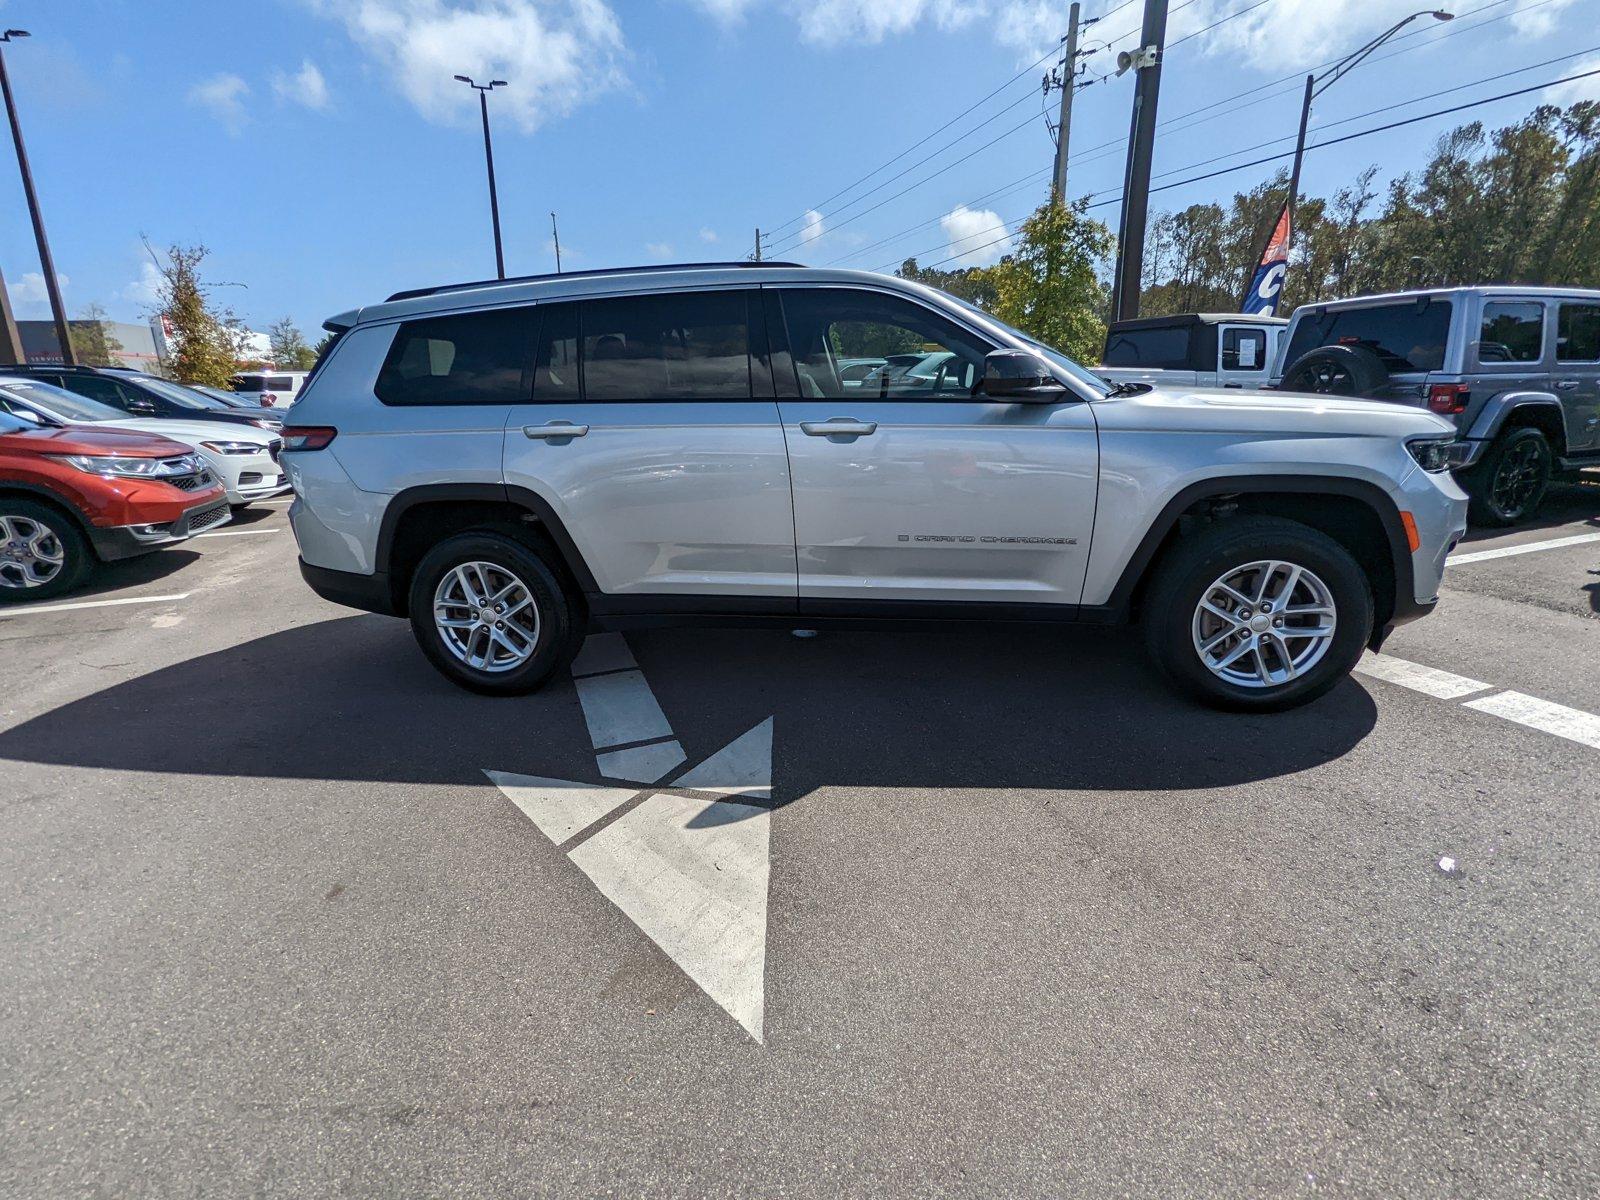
1336 371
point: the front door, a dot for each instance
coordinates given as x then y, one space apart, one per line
911 485
1577 372
653 433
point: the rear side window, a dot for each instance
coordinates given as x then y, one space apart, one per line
1406 336
1578 333
248 383
467 358
1156 349
1244 350
680 346
1513 332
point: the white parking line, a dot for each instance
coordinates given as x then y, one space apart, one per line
235 532
1578 539
52 608
1564 722
1430 681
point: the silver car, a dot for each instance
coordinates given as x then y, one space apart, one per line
511 464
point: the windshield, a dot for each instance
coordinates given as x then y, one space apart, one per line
179 394
59 403
1088 379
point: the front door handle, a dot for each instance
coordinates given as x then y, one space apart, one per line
838 427
1566 385
555 429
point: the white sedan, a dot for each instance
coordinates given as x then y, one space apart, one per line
243 457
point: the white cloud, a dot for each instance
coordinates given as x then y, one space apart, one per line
811 227
1577 89
1535 19
978 237
659 249
708 235
305 87
853 22
224 96
29 291
553 54
146 289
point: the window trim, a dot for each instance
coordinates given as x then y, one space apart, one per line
1527 364
1561 304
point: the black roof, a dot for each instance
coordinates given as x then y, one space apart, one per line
411 293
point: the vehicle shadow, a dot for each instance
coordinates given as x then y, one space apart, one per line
1565 504
134 572
352 699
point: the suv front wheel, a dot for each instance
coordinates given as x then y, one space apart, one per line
491 615
1257 614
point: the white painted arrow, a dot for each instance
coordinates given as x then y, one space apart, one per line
690 872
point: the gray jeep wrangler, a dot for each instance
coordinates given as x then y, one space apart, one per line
1516 368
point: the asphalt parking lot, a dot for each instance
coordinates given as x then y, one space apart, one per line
289 915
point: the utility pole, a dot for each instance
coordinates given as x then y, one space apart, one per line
555 236
52 285
483 90
758 243
1069 85
1141 152
10 341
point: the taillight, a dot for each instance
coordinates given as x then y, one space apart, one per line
307 437
1449 398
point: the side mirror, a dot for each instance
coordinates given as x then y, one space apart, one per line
1022 377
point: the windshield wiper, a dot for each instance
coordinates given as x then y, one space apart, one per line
1128 389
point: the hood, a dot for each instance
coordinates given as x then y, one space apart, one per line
1225 410
195 432
95 439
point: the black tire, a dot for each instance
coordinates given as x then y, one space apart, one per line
559 631
77 560
1508 486
1336 371
1189 568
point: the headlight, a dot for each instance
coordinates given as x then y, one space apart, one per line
1440 454
131 468
235 447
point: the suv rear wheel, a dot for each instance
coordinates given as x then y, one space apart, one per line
1509 484
42 554
1257 614
491 614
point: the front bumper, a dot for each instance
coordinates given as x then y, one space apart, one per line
369 593
125 541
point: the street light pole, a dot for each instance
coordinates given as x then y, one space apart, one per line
52 286
1316 85
483 90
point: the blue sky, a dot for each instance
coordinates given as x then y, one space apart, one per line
322 151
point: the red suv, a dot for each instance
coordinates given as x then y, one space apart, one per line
78 495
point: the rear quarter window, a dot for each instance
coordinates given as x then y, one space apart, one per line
1157 349
465 358
1405 336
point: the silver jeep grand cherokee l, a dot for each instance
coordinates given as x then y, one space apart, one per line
511 464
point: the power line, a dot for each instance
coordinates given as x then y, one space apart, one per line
1349 137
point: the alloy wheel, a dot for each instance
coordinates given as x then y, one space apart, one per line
486 616
1264 624
31 554
1517 478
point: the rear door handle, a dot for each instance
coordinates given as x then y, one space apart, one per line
838 427
1566 385
555 429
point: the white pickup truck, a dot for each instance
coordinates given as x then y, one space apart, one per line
1232 350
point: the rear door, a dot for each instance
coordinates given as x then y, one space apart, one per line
923 489
653 433
1242 358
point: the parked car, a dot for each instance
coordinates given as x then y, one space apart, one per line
75 496
1231 350
1517 369
270 389
142 395
243 458
231 399
508 464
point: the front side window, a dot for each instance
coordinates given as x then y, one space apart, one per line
673 346
1513 332
1578 333
97 387
466 358
1243 349
924 355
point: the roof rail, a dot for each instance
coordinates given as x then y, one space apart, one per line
412 293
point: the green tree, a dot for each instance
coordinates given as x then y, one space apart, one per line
975 285
207 340
289 348
92 340
1050 285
